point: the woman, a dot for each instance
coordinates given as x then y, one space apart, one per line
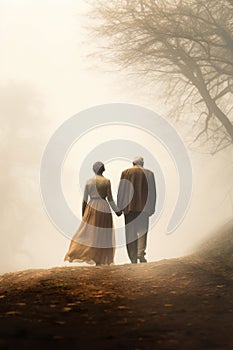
94 240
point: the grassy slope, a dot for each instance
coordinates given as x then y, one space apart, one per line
183 303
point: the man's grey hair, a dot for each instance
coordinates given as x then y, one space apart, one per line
138 161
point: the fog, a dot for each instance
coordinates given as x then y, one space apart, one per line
45 79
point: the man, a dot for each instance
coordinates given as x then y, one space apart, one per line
136 198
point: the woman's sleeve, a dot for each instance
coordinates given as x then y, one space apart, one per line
85 198
110 199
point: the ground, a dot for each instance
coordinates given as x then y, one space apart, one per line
184 303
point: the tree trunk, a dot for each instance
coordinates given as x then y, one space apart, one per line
213 107
198 81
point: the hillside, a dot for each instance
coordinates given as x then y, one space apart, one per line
218 247
183 303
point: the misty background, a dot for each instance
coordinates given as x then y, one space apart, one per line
45 79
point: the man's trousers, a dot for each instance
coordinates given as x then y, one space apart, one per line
136 228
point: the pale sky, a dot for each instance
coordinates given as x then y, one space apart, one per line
46 79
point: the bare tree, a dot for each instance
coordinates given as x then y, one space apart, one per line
186 44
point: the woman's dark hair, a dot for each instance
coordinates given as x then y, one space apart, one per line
98 167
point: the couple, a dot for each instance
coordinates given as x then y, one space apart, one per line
94 240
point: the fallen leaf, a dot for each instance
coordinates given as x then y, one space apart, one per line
13 313
122 307
67 309
60 322
58 337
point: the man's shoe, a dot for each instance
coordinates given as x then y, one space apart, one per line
142 259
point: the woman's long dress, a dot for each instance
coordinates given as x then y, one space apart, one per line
94 240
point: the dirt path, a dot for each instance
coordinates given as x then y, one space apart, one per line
174 304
